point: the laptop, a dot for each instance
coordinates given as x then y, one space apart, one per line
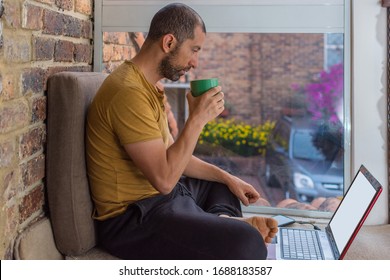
334 241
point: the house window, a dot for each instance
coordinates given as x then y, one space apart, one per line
283 126
284 83
334 49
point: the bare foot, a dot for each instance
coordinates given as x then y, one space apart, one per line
268 227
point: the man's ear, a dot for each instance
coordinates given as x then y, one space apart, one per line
168 43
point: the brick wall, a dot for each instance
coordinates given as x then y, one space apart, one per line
117 47
37 39
256 71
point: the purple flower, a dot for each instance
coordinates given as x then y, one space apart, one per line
324 95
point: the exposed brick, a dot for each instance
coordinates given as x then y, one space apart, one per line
33 17
107 52
33 170
109 37
39 109
14 114
63 51
265 67
59 24
46 1
83 53
32 142
17 48
12 14
84 6
31 203
11 184
128 52
31 28
65 4
53 23
111 66
117 52
8 90
73 27
86 29
33 80
119 38
43 48
7 152
12 213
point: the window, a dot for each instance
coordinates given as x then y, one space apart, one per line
252 18
277 80
334 49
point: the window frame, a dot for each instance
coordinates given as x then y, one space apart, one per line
315 16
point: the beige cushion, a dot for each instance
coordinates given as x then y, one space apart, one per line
70 206
93 254
37 243
371 243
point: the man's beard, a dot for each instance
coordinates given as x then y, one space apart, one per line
168 70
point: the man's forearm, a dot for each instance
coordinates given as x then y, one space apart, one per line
179 154
200 169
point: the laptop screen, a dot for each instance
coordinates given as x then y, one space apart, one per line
352 209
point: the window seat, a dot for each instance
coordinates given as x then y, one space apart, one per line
69 232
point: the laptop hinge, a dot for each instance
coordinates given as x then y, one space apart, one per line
332 242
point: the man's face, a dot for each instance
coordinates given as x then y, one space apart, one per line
183 57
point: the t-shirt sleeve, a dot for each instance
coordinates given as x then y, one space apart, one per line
133 117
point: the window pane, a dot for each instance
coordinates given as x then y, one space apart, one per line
282 128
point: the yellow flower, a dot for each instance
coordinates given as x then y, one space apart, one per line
240 137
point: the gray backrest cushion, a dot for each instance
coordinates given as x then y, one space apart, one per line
70 205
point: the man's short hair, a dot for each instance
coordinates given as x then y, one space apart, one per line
176 19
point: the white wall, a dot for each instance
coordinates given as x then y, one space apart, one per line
369 97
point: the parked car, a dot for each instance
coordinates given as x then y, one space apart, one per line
305 159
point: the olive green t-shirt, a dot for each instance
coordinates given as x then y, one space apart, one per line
126 109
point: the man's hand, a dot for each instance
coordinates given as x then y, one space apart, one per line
244 191
206 107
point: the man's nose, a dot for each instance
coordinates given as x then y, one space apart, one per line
194 61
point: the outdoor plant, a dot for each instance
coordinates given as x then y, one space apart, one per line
325 94
236 136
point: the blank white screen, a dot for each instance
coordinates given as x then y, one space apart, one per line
351 210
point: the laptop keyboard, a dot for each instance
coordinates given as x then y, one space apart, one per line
300 244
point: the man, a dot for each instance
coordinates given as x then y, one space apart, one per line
153 199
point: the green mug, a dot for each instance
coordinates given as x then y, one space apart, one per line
198 87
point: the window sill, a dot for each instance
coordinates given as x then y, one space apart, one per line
317 217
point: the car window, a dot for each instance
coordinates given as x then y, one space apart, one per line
303 146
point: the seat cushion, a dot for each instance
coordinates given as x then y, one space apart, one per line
94 254
371 243
37 243
70 206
